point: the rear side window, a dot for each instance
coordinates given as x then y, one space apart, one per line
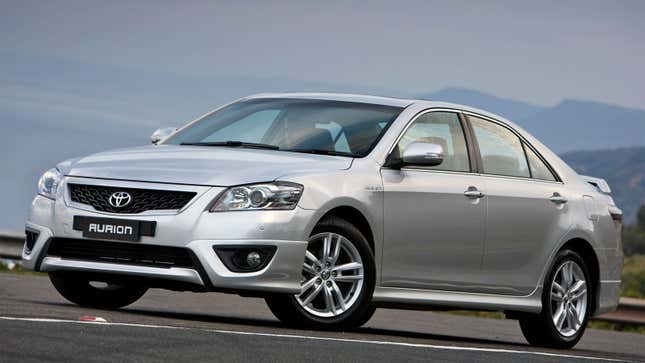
444 129
501 150
539 170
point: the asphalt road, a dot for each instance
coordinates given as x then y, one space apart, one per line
38 325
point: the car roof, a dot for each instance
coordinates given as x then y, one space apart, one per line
379 100
344 97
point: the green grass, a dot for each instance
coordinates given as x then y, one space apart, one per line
17 269
627 328
633 284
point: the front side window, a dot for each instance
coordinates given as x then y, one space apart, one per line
444 129
501 150
300 125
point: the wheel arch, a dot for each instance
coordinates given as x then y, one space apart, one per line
353 216
586 251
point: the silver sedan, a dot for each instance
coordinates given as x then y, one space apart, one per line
330 206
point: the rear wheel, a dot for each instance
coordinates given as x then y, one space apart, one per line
83 291
337 281
566 299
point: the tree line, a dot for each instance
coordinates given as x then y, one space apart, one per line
634 235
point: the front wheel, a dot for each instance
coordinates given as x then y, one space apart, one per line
337 281
566 299
85 292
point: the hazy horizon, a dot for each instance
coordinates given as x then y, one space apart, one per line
538 52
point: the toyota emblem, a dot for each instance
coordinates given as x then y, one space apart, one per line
120 199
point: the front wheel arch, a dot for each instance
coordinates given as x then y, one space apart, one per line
290 311
353 216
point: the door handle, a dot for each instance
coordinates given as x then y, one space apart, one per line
473 193
557 198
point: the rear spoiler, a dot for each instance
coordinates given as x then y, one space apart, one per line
600 184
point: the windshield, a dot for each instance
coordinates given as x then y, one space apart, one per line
317 126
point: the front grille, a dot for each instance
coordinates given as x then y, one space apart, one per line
120 252
142 199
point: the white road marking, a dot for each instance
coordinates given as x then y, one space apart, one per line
304 337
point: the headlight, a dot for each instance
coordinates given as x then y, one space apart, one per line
48 183
278 195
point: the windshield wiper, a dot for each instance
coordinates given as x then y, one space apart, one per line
233 143
321 152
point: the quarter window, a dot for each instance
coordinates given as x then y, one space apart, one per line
501 150
539 170
444 129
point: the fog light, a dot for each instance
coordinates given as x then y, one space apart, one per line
30 241
249 258
253 259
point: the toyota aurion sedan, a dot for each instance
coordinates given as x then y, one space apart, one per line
329 206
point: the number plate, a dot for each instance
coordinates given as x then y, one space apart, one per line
114 229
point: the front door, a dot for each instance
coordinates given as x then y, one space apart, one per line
434 217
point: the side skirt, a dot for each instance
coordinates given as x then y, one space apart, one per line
428 299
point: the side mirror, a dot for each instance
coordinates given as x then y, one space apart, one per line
162 134
423 153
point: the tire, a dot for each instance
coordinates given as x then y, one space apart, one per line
540 329
79 290
289 309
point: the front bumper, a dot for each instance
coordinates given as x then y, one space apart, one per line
193 228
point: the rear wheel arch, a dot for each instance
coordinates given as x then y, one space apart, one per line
586 251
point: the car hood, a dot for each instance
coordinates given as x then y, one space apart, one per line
199 165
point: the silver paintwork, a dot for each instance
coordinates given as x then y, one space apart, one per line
173 273
599 183
198 165
456 239
423 153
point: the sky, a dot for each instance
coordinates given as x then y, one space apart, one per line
536 51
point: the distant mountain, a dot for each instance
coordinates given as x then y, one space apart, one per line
624 170
511 109
583 125
568 126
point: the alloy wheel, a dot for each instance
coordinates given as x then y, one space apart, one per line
568 298
332 275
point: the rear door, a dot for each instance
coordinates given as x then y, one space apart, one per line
527 210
